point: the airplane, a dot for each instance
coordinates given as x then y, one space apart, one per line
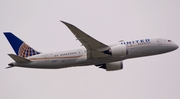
108 57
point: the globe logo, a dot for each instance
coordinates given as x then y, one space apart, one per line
26 51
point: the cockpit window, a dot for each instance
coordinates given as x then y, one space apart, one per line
169 41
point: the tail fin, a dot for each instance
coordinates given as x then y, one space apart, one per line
20 48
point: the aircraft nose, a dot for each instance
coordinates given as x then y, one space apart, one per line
172 46
175 46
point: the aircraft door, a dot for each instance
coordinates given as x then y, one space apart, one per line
159 41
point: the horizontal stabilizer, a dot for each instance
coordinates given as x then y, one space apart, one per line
18 59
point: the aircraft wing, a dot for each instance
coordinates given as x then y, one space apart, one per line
94 47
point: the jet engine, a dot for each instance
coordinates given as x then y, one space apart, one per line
118 50
112 66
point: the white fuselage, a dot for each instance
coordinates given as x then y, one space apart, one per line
78 57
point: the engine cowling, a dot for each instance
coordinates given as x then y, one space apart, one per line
118 50
112 66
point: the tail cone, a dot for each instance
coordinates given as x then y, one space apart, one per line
10 65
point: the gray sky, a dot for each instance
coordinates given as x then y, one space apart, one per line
37 23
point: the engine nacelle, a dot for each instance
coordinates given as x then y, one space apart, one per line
119 50
112 66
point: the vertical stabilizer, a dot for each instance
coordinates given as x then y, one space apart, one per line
19 47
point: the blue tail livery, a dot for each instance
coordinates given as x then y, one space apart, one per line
20 48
